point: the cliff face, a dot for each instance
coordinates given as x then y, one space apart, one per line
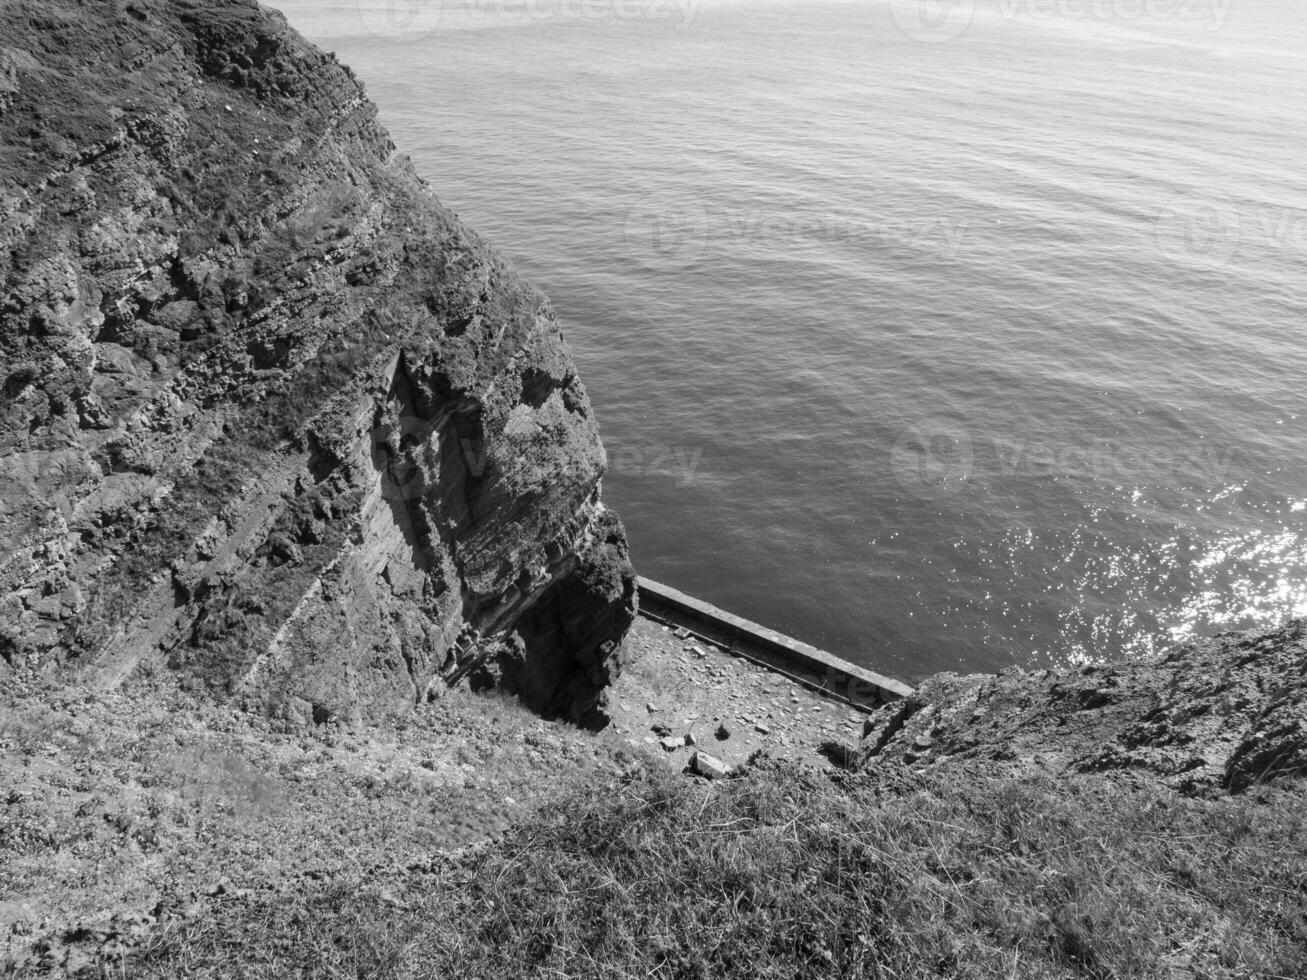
271 414
1221 714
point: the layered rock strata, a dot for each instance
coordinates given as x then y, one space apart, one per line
1224 713
271 415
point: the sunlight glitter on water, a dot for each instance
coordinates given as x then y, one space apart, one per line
1129 395
1242 580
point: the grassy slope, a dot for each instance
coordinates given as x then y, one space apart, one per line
121 813
164 835
786 872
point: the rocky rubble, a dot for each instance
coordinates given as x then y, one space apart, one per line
1223 713
271 415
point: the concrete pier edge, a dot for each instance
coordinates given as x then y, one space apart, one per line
846 680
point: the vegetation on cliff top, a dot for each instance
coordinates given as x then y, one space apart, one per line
227 845
790 873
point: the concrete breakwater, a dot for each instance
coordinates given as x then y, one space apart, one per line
815 669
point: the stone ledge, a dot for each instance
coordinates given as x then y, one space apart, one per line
827 671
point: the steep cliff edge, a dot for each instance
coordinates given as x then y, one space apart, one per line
1220 714
1036 825
271 414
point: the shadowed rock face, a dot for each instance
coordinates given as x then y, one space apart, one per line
1223 713
270 413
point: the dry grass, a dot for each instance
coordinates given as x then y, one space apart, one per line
120 813
790 873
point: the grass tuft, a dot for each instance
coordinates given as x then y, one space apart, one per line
791 873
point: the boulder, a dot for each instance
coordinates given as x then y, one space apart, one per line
709 766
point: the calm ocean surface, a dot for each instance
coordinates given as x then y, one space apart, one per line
943 336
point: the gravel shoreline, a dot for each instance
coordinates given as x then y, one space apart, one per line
693 687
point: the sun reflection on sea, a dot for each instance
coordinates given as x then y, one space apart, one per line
1182 588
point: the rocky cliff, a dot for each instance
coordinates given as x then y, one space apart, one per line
1220 714
272 416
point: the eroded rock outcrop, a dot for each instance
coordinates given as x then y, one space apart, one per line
270 413
1222 713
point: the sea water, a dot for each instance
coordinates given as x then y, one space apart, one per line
943 335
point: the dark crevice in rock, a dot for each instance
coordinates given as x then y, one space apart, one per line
899 716
537 386
411 665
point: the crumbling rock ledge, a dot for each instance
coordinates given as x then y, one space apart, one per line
1225 713
271 415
